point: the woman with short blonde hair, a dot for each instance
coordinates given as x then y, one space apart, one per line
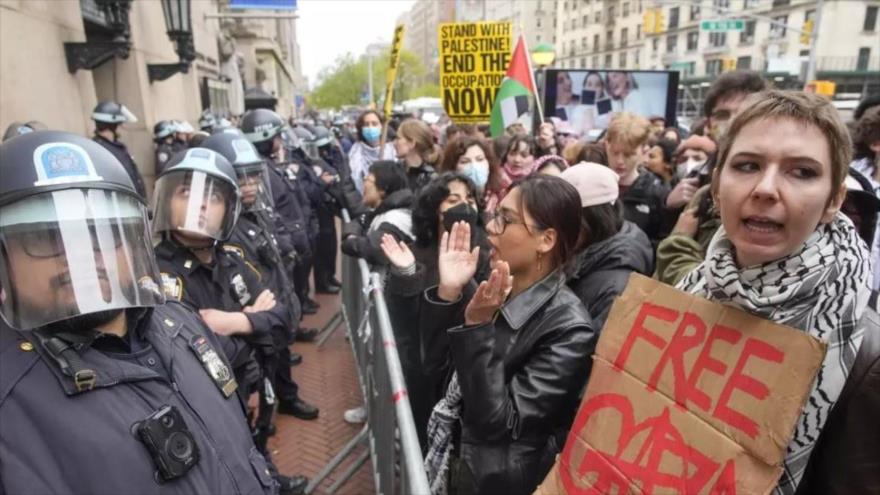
784 250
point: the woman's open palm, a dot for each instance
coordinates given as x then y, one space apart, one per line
398 253
457 262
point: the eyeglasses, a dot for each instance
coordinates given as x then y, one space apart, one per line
496 223
48 243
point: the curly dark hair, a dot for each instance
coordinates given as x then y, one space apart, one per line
425 219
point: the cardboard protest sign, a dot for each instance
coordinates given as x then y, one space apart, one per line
473 60
686 396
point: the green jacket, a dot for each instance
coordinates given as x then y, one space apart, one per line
679 254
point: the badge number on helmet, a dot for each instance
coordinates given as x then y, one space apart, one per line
62 163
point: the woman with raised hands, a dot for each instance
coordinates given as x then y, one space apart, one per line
518 346
446 200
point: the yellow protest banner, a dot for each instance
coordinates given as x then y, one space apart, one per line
392 69
473 61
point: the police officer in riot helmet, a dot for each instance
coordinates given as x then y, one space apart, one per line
255 236
264 129
325 175
108 116
91 402
207 121
196 207
163 136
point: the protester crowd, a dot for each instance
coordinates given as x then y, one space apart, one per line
501 258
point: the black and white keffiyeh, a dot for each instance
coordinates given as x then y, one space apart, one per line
822 289
441 428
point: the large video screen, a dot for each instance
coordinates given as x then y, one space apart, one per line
587 99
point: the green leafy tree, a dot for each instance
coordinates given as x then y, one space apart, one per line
346 80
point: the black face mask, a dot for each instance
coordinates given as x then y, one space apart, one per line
459 213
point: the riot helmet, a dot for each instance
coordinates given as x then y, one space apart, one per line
250 168
74 235
110 112
163 129
197 196
260 126
207 121
309 143
322 136
16 129
222 125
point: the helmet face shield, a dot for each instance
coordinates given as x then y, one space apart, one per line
74 252
253 182
195 203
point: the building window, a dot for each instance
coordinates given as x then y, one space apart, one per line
864 56
554 21
584 63
611 10
870 18
585 20
636 58
640 6
624 34
639 32
747 4
538 22
584 43
714 67
671 41
623 60
717 39
721 4
744 63
609 40
778 30
655 44
598 16
607 60
695 12
693 41
673 17
538 39
595 62
747 35
780 3
574 23
596 42
625 9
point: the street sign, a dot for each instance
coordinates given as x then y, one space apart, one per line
722 25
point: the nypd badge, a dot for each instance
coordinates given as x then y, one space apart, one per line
172 286
241 289
216 368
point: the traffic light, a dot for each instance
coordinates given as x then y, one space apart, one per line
648 21
807 32
653 21
659 21
728 64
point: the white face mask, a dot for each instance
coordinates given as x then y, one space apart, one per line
478 172
684 169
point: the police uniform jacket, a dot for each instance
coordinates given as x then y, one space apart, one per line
292 222
254 243
56 437
229 284
121 153
164 152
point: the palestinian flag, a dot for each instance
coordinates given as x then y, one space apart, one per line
512 101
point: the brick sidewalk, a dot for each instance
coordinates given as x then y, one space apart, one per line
328 379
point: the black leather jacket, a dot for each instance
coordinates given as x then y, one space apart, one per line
846 458
520 377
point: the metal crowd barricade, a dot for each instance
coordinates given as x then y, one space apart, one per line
390 435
